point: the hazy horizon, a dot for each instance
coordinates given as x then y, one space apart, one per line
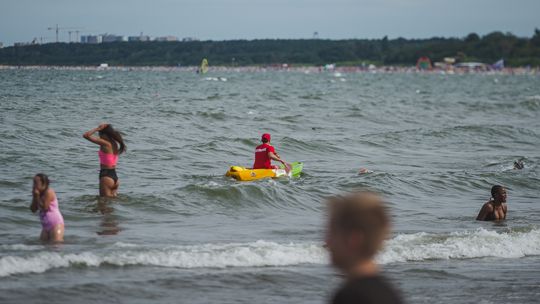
216 20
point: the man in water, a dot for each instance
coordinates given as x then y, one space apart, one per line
518 164
265 153
357 227
495 209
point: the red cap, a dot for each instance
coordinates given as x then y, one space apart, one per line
266 136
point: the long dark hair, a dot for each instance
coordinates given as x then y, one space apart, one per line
44 179
115 135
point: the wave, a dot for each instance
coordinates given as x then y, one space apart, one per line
461 245
489 136
266 193
421 246
531 103
321 146
20 247
255 254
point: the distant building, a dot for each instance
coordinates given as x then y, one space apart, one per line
189 39
18 44
1 45
112 38
91 39
167 38
141 38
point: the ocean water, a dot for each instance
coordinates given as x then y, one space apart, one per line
181 232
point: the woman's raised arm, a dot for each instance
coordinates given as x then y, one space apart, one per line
94 139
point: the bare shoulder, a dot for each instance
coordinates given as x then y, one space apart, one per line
488 206
106 143
50 195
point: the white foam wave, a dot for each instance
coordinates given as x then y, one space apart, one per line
125 245
21 247
216 79
402 248
460 245
256 254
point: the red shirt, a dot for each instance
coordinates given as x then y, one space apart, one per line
262 161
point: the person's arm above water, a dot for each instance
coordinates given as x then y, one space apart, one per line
35 200
487 209
43 203
94 139
276 157
273 156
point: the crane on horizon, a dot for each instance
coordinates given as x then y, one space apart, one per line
58 29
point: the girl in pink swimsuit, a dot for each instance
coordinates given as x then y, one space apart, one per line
111 144
44 199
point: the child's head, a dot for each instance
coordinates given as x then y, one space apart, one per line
357 227
41 182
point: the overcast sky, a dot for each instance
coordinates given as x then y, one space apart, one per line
22 20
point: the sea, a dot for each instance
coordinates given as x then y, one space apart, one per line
433 144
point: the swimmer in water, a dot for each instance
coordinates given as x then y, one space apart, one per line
518 165
495 209
111 144
44 200
364 171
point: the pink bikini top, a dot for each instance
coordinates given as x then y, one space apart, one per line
107 159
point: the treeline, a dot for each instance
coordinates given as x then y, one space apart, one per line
516 51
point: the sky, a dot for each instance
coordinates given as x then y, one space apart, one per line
23 20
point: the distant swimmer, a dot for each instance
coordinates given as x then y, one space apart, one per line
518 164
357 227
44 199
111 144
265 153
364 171
495 209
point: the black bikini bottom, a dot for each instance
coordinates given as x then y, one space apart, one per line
108 173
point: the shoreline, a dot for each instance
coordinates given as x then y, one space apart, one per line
286 68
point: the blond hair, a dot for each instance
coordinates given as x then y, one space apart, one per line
363 213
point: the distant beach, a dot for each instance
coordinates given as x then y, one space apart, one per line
289 68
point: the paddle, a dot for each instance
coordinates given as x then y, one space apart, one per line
288 167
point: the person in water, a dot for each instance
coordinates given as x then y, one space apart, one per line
265 153
111 144
44 199
495 209
357 227
518 165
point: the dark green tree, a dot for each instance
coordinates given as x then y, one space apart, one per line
535 40
472 37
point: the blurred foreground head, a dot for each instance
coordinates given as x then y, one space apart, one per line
357 226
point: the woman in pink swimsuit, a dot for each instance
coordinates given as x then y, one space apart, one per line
44 199
111 144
